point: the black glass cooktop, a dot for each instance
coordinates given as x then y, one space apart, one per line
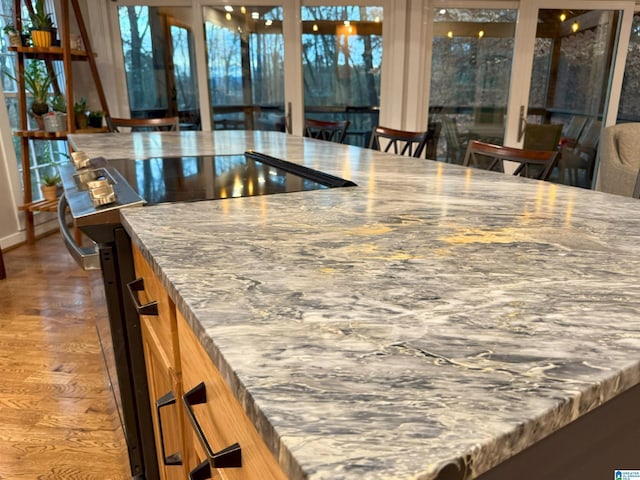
212 177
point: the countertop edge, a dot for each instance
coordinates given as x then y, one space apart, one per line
282 454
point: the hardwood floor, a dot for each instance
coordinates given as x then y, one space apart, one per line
57 418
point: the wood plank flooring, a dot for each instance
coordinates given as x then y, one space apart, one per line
57 418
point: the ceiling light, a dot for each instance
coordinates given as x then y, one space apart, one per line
228 8
227 16
450 34
481 34
315 27
563 17
255 15
575 27
243 10
268 23
443 11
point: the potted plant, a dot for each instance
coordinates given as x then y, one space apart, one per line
80 111
56 119
15 39
49 181
36 83
41 23
95 118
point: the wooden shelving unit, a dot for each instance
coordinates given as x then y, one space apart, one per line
44 135
40 206
67 56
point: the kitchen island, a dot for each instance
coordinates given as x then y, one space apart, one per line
432 322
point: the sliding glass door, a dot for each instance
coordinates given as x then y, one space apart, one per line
159 62
572 60
245 55
471 62
629 109
342 63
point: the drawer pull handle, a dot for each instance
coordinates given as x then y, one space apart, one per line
201 472
150 308
164 401
229 457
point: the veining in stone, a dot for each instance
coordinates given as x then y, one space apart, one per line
432 317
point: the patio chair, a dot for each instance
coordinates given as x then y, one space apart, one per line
572 130
433 136
577 163
456 143
542 137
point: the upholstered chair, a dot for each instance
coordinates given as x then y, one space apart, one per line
619 168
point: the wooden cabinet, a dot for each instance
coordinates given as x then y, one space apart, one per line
161 352
222 419
206 421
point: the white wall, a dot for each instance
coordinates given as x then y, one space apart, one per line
10 192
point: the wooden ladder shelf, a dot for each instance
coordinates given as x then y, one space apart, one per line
67 55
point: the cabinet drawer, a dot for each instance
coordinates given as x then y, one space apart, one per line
221 417
167 414
163 325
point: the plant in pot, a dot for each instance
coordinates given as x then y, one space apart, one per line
49 181
42 25
37 83
15 39
80 111
56 119
95 118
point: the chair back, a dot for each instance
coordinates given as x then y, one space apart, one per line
144 124
535 164
455 144
433 136
590 135
325 130
400 142
542 137
573 129
491 115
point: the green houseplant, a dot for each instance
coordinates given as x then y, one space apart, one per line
80 111
37 83
42 25
59 104
15 39
56 119
49 181
95 118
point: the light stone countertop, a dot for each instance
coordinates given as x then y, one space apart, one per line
433 315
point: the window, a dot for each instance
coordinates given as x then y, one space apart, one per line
342 61
245 54
157 47
629 108
470 73
143 47
42 153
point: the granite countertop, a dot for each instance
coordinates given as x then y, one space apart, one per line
432 316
